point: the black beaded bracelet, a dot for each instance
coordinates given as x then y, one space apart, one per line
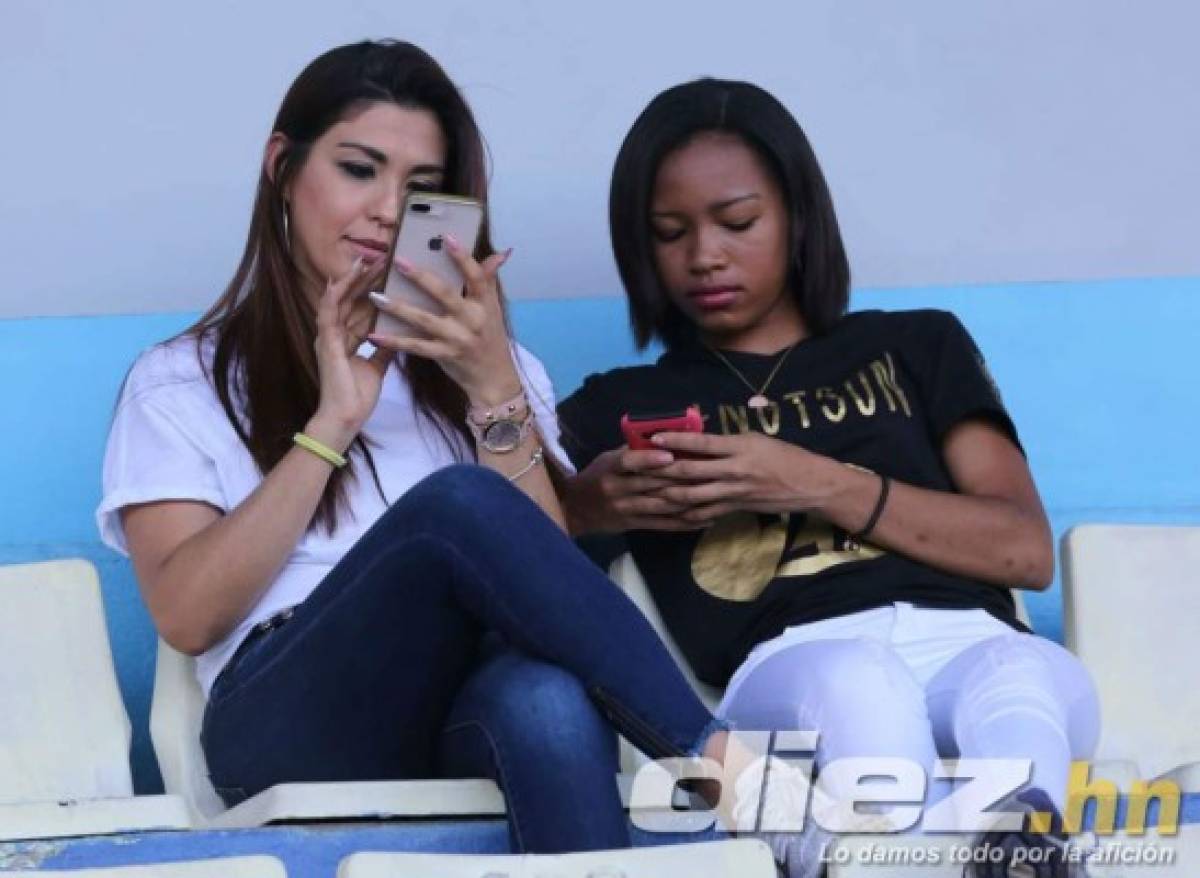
884 487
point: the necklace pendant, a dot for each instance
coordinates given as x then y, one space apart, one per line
758 401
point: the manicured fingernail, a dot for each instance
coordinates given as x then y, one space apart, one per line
664 458
405 266
657 440
357 264
379 298
452 242
504 257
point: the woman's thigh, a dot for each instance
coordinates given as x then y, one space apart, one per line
355 685
855 692
1019 666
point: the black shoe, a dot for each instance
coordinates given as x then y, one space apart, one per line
1023 853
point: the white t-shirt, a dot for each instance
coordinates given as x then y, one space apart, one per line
170 439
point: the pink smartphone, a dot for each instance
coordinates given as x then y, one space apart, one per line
425 220
638 428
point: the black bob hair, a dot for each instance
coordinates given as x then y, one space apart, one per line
818 272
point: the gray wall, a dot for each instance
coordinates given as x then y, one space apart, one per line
965 142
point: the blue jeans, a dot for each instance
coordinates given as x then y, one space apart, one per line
531 727
363 682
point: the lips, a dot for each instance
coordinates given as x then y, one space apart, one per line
713 298
369 249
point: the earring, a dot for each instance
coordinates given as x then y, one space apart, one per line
287 232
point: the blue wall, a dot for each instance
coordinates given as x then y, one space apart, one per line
1097 376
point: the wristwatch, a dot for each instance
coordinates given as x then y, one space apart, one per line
503 434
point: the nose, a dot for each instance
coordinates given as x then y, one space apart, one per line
385 209
707 253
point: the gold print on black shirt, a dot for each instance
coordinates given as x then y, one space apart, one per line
741 553
866 393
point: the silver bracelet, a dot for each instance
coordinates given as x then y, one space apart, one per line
533 461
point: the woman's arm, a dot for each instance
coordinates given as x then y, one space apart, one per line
994 529
201 572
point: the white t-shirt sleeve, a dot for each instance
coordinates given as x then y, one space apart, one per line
540 391
151 455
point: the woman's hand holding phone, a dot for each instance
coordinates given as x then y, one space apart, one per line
715 475
469 340
622 490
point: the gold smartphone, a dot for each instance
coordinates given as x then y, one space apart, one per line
425 219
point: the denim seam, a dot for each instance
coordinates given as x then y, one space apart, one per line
510 796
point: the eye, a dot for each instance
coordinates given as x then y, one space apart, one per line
422 186
358 170
666 236
742 226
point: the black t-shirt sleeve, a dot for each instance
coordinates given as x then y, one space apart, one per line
955 382
589 422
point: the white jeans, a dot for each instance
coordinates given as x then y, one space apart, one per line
919 683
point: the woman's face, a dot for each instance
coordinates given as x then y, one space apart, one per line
344 202
720 231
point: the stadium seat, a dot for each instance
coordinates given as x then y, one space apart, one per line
1131 600
64 733
223 867
175 716
739 858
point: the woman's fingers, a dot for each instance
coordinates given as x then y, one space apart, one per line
702 494
440 291
480 279
706 444
434 326
421 347
330 310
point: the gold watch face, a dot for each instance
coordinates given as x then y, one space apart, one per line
502 436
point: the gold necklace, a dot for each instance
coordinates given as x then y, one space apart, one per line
759 399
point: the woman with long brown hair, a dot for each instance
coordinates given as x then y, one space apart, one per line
374 584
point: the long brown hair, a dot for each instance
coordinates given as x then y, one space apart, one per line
263 326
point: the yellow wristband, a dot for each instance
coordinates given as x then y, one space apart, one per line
320 449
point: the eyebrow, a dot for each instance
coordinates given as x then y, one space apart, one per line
375 154
720 205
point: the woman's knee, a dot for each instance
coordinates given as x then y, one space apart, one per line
455 499
1035 676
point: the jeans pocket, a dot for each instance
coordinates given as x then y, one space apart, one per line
228 679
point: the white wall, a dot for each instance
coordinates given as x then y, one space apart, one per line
965 142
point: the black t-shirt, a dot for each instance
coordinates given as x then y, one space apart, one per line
879 390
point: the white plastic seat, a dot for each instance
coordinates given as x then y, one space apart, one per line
738 858
64 732
624 572
175 716
223 867
1131 600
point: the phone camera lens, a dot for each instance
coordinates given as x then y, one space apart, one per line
419 207
435 243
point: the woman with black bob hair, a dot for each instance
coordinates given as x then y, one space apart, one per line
818 272
836 548
373 584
